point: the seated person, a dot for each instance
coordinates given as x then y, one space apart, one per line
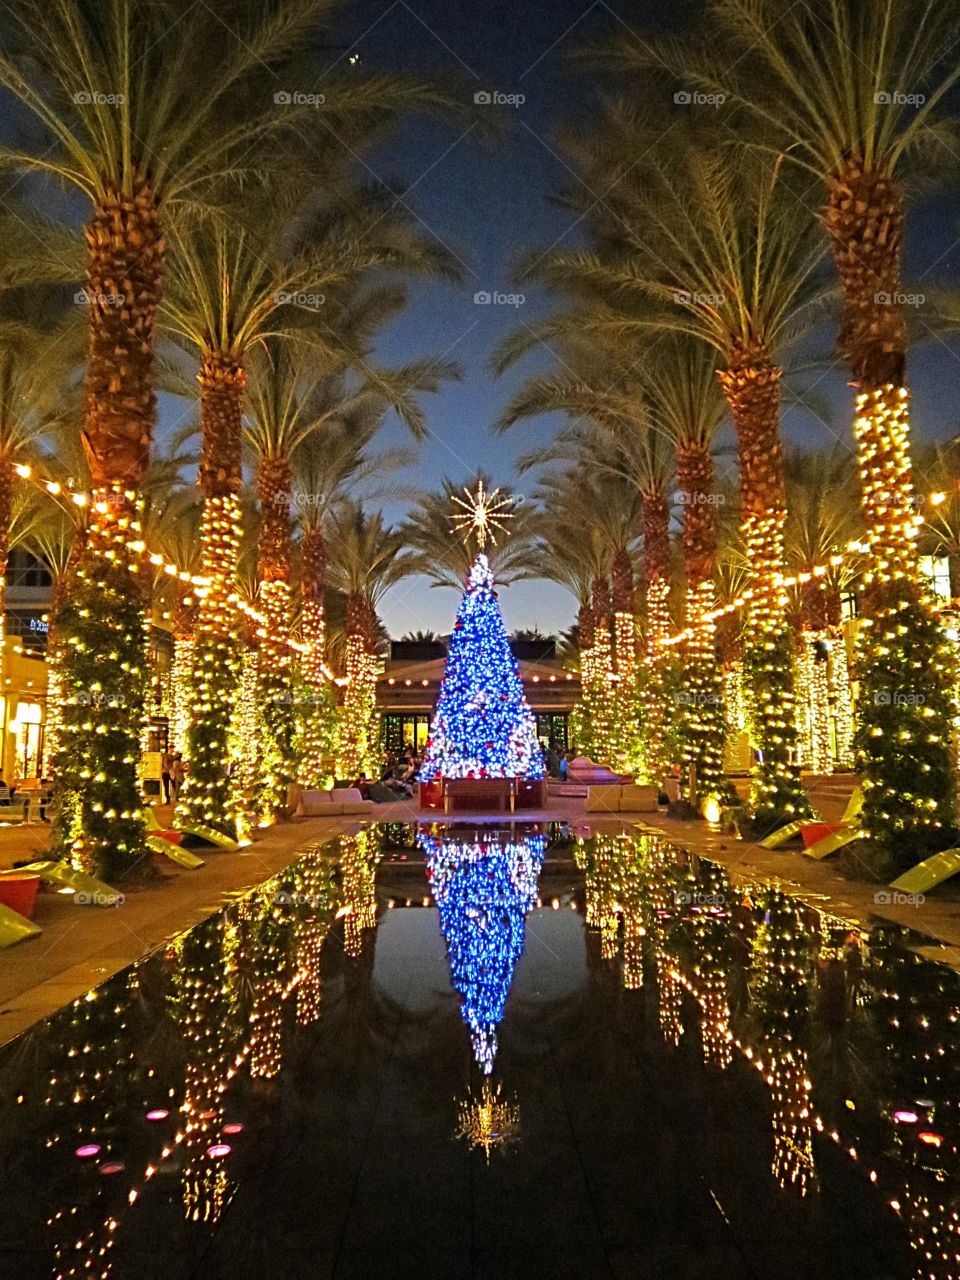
388 791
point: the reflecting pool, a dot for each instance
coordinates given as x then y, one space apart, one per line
495 1052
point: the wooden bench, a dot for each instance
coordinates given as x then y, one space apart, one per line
479 793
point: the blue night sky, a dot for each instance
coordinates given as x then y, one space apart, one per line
489 201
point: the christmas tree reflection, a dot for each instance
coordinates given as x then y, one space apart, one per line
483 890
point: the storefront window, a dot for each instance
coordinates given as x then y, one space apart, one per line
29 738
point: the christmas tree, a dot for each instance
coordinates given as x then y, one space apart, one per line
482 727
483 891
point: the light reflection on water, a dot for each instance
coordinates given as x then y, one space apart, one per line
844 1039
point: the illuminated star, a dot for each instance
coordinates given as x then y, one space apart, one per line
482 513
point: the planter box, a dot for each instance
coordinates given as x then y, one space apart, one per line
19 893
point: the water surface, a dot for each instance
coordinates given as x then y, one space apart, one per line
494 1053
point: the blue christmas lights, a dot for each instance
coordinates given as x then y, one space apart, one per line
482 727
483 891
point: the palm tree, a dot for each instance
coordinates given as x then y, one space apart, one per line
367 558
852 92
726 254
228 291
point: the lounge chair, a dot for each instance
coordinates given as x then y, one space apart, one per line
170 849
199 830
928 874
15 927
797 828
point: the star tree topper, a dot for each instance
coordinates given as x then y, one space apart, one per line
482 514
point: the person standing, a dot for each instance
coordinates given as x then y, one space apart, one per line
166 765
177 775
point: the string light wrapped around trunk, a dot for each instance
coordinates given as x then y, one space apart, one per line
627 755
358 745
699 694
813 702
208 795
274 485
906 665
657 706
99 821
751 385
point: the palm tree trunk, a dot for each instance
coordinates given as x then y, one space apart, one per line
700 701
581 727
905 665
318 724
313 588
602 709
208 794
66 808
656 585
355 754
7 480
184 626
822 678
274 485
751 384
628 746
126 251
104 653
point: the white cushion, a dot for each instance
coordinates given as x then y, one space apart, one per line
313 804
346 795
